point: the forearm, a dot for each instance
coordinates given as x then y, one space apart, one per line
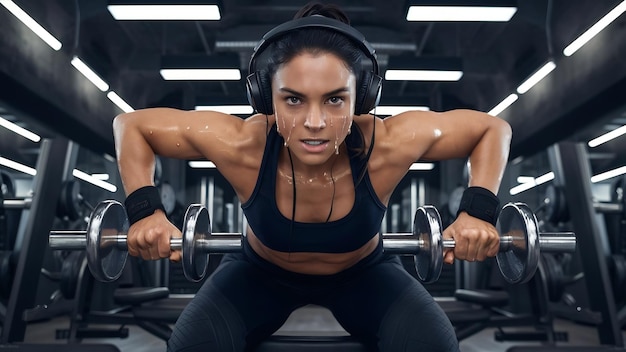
489 157
135 157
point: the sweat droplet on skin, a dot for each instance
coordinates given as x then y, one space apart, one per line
178 144
151 132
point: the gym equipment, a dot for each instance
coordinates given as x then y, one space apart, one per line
105 241
520 243
556 208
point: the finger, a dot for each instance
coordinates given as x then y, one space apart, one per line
164 249
176 256
495 247
448 257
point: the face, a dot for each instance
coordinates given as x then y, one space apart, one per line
313 97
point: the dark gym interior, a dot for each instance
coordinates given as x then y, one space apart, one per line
567 164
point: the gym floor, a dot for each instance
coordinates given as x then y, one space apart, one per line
314 321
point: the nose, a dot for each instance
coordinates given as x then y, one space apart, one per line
315 119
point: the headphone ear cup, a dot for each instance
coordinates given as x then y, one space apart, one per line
368 92
259 91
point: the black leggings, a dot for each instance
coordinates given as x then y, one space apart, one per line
247 299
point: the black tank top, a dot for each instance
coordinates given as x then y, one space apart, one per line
347 234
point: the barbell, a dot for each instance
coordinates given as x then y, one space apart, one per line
105 242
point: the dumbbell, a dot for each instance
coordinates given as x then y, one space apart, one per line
105 241
556 208
521 243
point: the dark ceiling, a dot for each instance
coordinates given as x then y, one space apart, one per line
579 97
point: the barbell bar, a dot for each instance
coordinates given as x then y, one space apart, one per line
521 242
24 203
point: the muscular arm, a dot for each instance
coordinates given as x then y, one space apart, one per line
457 134
171 133
454 134
141 134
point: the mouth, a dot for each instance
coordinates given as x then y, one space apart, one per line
314 142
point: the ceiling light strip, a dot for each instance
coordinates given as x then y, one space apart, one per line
169 74
528 185
395 110
460 13
550 176
199 164
227 109
94 181
32 24
536 77
609 174
17 166
607 137
504 104
595 29
165 12
117 100
19 130
89 74
423 75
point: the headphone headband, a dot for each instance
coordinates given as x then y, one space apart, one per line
319 22
369 83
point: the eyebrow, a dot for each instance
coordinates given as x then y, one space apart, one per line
296 93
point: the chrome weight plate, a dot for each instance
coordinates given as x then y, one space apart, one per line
196 230
519 243
106 259
427 229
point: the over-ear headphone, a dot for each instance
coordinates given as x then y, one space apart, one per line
369 83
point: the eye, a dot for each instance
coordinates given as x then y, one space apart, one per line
335 100
292 100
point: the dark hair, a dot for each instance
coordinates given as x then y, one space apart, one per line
327 10
315 41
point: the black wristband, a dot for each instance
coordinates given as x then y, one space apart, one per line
142 203
480 203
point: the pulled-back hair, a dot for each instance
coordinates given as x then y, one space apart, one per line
316 41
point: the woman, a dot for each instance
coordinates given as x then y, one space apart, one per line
314 174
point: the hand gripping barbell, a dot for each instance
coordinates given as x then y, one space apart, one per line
520 242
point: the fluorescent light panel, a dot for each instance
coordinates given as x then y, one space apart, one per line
550 176
609 174
525 179
165 12
119 102
422 166
227 109
89 74
201 164
460 13
536 77
423 75
205 74
535 182
394 110
94 181
32 24
17 166
503 105
595 29
607 137
19 130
